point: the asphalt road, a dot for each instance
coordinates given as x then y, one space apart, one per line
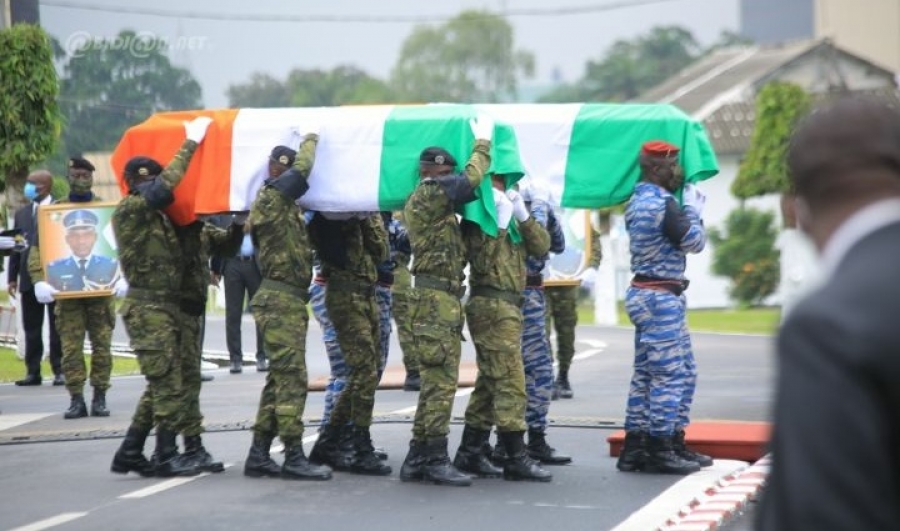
55 473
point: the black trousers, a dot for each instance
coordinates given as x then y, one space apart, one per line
242 277
33 323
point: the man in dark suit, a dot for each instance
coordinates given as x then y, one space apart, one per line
37 190
836 438
83 270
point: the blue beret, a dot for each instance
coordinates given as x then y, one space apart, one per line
80 219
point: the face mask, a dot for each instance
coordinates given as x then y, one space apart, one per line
30 191
81 185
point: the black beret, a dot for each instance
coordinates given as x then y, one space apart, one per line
80 219
142 166
436 156
283 155
81 164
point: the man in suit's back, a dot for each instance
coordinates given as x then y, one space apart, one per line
836 441
37 190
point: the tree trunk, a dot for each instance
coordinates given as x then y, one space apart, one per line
15 182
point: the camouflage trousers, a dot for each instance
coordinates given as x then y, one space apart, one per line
155 334
94 316
665 374
337 379
191 363
384 300
400 309
536 358
562 314
437 321
355 318
282 319
499 397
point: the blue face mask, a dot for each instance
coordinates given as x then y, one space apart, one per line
30 191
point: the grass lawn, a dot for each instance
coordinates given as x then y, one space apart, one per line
12 368
735 321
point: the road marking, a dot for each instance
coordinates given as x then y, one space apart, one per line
51 522
165 485
655 513
17 419
587 354
594 343
412 409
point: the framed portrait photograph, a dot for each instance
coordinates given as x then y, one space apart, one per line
78 248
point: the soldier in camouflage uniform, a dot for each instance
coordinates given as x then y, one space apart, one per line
152 260
494 314
279 307
660 233
435 308
400 307
75 317
349 246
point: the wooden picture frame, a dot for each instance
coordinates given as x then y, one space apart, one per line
78 248
563 269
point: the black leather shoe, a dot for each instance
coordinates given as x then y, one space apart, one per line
262 365
31 379
236 367
59 380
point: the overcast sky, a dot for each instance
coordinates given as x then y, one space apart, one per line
369 34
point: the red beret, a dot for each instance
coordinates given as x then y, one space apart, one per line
659 148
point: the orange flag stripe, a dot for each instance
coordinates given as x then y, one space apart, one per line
208 179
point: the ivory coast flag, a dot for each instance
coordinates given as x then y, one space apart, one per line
367 157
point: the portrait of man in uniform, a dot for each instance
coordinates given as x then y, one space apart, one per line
85 268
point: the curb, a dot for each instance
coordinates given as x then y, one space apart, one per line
722 501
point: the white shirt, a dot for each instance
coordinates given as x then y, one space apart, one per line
855 228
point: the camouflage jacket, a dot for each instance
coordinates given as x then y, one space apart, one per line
498 262
365 242
430 217
198 240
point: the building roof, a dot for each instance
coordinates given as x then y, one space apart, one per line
720 88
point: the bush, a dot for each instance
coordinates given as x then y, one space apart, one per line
745 252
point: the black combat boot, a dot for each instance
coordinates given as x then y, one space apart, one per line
296 466
563 385
346 445
98 404
518 465
471 458
633 456
413 381
77 408
194 451
168 461
497 454
326 450
130 456
364 459
259 463
411 470
437 467
539 449
661 458
685 453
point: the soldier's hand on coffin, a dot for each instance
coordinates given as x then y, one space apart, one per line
520 211
482 127
504 209
310 128
196 128
694 198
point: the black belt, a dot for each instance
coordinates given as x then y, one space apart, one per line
153 295
352 286
534 281
284 287
672 285
511 297
440 284
245 258
385 278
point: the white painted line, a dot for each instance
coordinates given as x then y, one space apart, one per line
655 513
51 522
165 485
412 409
586 354
17 419
593 343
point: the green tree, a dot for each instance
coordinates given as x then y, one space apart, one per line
108 86
764 168
470 58
30 118
745 253
344 85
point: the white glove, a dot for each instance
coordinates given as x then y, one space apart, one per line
588 277
120 288
310 128
196 128
7 243
520 211
693 197
482 127
504 209
44 292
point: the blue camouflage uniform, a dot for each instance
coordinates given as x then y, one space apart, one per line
536 353
661 233
398 241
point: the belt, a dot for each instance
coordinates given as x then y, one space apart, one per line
511 297
320 280
674 286
534 281
386 278
245 258
352 286
284 287
153 295
440 284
